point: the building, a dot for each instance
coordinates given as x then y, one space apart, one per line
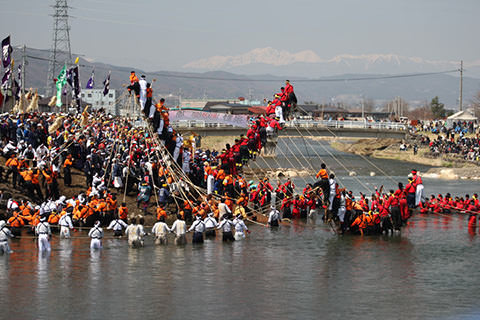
97 100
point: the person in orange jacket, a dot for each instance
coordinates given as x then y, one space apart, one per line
134 85
161 212
12 164
123 212
16 223
359 222
67 174
36 183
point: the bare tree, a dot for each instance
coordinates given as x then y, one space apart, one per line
368 105
397 107
421 113
476 104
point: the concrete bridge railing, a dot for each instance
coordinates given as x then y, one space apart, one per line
396 126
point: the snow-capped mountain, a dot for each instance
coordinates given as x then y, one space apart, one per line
309 64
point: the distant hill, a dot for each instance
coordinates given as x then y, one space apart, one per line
416 89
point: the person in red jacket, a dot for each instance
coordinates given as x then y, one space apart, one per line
286 207
296 204
292 99
393 203
400 194
410 191
270 109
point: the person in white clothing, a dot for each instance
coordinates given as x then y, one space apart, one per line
5 234
186 161
179 227
178 145
332 182
160 230
240 228
342 209
135 233
66 223
198 228
210 225
143 92
117 225
96 234
223 209
42 230
210 183
273 217
226 226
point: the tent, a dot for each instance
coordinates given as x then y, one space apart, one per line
463 115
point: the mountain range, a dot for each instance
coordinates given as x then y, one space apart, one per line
327 88
309 64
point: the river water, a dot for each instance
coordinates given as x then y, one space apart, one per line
428 271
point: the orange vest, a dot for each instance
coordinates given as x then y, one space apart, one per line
27 175
67 163
122 212
12 162
133 78
111 204
161 213
322 174
16 221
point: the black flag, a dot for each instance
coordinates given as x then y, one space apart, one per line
106 85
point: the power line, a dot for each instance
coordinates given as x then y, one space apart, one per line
364 78
306 80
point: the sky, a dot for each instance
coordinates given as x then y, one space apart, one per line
164 35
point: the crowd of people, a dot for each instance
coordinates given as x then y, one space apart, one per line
201 188
116 157
466 148
440 126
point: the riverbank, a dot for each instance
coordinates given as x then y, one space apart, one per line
445 167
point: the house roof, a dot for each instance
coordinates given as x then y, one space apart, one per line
257 109
463 115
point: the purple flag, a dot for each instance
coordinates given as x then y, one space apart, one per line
6 51
91 81
19 70
106 85
6 78
70 72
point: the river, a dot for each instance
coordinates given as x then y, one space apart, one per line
428 271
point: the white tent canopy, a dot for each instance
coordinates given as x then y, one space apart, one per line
463 115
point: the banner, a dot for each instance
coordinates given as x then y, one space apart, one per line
210 117
6 79
106 85
6 51
91 81
61 81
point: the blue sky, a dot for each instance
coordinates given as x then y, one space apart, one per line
155 35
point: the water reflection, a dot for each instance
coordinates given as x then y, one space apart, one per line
430 270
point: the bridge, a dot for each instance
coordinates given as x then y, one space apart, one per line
325 128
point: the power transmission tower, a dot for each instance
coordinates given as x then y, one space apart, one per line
60 53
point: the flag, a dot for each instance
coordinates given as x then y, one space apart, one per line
106 85
61 81
6 51
91 81
69 77
76 85
6 78
15 89
19 75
